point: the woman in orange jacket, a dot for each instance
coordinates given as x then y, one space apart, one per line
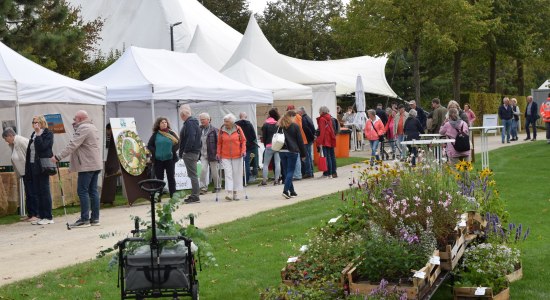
545 114
231 150
374 129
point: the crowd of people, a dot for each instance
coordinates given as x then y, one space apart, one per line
232 147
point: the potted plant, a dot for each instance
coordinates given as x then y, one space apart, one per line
486 265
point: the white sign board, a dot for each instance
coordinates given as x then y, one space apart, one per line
182 181
490 120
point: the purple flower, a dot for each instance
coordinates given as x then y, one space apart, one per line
526 233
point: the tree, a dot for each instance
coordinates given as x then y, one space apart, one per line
302 28
234 13
49 32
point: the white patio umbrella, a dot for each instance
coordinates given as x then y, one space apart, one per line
360 104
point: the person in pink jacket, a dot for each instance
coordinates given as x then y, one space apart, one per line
374 129
450 129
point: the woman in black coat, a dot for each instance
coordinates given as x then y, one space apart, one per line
40 146
413 128
293 147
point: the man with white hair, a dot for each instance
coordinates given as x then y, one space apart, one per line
190 148
84 149
421 115
209 163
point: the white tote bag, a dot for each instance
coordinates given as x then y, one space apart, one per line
278 140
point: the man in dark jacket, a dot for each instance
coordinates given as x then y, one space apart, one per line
190 147
309 130
251 146
421 115
209 163
531 117
505 114
381 113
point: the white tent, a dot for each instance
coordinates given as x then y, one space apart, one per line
28 89
250 74
146 23
145 83
545 85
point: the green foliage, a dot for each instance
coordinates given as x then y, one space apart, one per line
234 13
318 290
50 33
302 29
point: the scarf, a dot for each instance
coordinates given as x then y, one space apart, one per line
172 136
455 124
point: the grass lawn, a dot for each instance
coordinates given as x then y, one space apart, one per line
251 251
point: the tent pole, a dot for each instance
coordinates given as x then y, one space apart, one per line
153 110
22 207
178 113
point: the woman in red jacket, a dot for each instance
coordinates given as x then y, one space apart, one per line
327 140
231 150
374 129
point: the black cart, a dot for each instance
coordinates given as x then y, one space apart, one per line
156 274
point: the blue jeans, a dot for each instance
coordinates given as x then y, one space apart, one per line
403 149
288 159
506 130
298 170
41 187
331 160
374 151
308 163
31 200
268 154
514 129
88 195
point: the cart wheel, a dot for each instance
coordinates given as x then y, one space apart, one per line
195 291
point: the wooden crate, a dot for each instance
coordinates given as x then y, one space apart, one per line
452 253
475 222
69 181
286 281
516 275
468 293
9 193
417 290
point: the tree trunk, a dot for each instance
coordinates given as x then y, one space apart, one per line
493 72
416 71
457 63
521 78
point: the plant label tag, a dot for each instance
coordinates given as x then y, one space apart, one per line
480 291
462 223
435 260
419 274
292 259
333 220
303 248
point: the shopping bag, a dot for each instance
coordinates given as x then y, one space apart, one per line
322 164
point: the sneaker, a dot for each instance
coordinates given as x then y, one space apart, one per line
263 183
533 139
286 195
236 198
35 222
203 192
217 190
527 138
335 175
80 224
307 176
44 222
228 198
95 223
293 194
191 199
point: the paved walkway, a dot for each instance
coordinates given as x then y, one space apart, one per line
27 250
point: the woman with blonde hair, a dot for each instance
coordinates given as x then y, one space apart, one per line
461 113
450 129
231 150
293 146
163 144
40 146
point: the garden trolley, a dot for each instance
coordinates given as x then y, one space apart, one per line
156 273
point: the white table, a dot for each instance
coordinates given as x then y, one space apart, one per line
431 135
484 143
436 142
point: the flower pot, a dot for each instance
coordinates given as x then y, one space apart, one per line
516 275
468 293
416 290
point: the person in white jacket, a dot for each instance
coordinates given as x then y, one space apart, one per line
18 146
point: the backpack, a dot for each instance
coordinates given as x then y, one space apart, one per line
335 125
462 141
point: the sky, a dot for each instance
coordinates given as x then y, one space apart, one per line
257 6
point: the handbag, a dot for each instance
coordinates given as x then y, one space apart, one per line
380 137
322 163
278 140
47 167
